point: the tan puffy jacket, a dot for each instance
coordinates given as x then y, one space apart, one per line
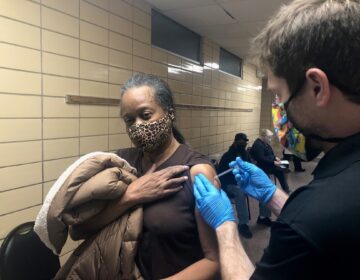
80 193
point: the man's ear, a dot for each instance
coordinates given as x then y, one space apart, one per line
318 83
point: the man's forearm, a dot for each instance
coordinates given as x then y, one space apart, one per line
235 264
277 201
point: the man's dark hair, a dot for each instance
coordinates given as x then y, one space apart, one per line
314 33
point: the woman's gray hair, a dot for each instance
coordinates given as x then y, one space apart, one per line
163 94
314 33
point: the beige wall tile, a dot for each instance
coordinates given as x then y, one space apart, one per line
67 6
93 33
158 55
119 76
46 188
116 125
60 128
93 143
142 5
93 126
141 49
60 65
119 141
60 86
20 106
141 65
20 129
54 107
121 8
61 148
90 111
159 69
19 58
114 92
20 153
94 14
94 71
60 22
54 168
60 44
21 33
120 42
20 175
10 221
92 52
141 34
21 10
140 17
120 25
96 89
15 81
18 199
120 59
100 3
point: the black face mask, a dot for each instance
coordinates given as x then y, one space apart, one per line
311 150
308 134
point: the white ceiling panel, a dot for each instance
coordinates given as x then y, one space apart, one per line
225 30
252 10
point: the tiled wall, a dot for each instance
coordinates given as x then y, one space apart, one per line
51 48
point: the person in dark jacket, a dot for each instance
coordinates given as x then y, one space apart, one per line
228 183
264 157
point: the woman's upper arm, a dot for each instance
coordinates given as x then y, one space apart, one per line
206 233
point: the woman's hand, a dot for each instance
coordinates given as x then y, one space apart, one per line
156 185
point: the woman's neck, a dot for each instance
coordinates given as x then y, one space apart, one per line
161 155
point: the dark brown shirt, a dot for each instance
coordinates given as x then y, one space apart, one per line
170 240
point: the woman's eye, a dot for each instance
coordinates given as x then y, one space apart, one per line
128 121
146 115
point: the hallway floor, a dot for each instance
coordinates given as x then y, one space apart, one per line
256 245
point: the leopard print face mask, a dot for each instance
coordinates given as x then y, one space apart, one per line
150 136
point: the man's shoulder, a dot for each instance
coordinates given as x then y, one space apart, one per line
325 211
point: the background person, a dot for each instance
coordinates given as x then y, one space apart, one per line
317 77
263 154
229 185
287 155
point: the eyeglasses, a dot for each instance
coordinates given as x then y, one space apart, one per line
296 93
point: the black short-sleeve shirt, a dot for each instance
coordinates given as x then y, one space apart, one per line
317 235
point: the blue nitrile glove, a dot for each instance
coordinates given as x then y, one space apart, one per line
213 204
252 180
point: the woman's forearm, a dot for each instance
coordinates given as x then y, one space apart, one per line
204 269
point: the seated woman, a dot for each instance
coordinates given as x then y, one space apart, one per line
176 242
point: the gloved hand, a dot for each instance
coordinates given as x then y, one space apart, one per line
252 180
213 204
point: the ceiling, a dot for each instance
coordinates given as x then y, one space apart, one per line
229 23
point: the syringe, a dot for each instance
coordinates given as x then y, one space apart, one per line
223 173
